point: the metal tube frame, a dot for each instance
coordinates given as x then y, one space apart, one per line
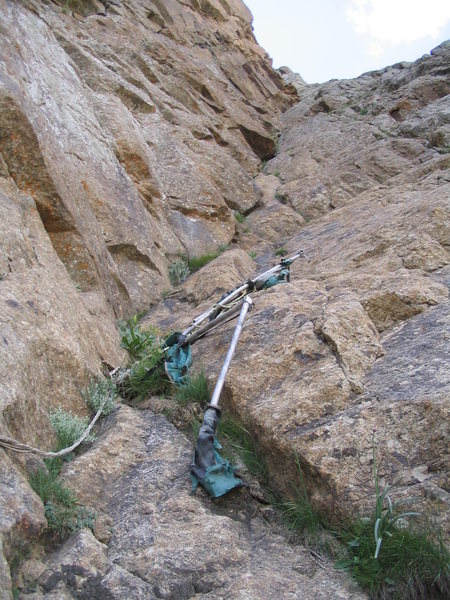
242 289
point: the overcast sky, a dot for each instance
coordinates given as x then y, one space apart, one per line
327 39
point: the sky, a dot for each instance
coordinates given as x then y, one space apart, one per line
328 39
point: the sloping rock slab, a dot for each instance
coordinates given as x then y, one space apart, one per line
167 543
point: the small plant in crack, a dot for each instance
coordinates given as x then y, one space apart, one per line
281 197
99 391
195 389
392 560
68 427
240 218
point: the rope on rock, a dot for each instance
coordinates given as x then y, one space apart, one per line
15 446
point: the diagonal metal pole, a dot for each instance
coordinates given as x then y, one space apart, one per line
208 468
247 304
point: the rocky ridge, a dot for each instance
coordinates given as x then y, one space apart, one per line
114 118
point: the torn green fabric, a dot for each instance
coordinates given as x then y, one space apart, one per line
178 359
209 469
281 277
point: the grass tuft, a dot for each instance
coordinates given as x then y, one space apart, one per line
236 439
300 515
240 218
280 251
63 512
197 262
196 389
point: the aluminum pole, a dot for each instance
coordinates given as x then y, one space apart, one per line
247 304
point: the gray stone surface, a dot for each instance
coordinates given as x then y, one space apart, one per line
168 543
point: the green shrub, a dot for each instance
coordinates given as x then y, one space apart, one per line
145 376
252 254
185 265
179 271
99 391
280 252
68 427
63 521
137 342
276 173
196 389
409 565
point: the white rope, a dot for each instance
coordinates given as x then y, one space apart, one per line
15 446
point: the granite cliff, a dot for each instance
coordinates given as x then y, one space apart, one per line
134 131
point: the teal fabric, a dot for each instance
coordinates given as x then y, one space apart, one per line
281 277
219 479
178 359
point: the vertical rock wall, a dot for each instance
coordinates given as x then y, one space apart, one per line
129 131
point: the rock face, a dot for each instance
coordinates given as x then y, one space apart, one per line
358 342
114 117
132 132
167 543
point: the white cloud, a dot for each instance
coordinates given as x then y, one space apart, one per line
397 21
